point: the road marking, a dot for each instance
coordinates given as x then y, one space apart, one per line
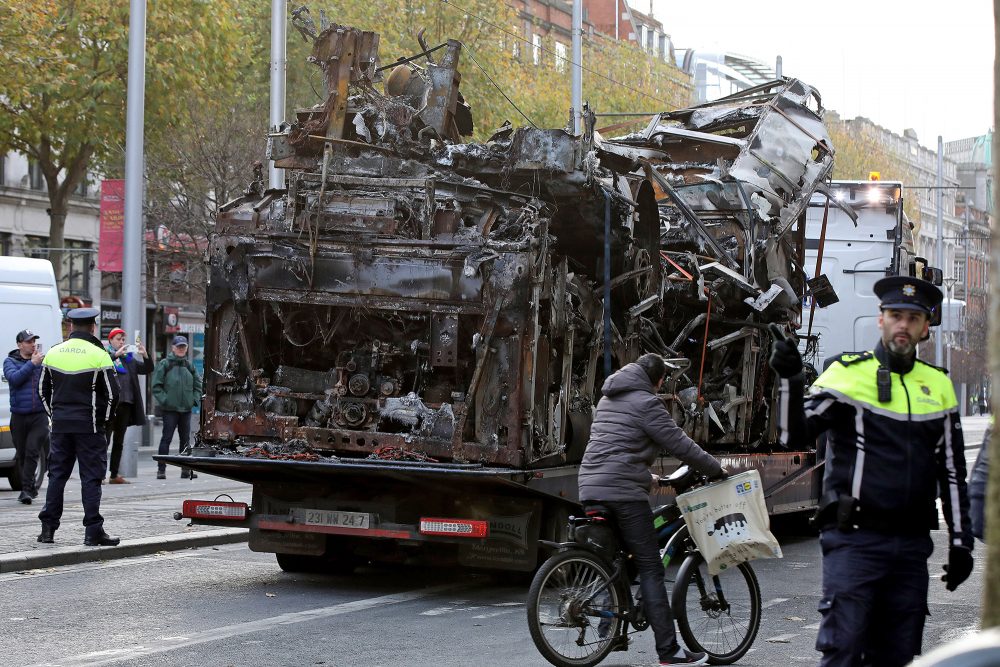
168 644
771 603
496 613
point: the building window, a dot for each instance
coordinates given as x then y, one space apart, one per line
5 245
35 179
536 49
77 258
516 48
651 42
562 59
3 171
81 188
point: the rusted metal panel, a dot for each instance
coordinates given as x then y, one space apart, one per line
411 295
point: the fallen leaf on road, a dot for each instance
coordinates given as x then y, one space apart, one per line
271 595
794 618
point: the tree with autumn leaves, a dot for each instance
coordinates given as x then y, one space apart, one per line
63 72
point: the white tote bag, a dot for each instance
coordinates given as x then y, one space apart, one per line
728 521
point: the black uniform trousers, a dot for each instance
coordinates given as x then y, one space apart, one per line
874 598
30 434
90 450
116 435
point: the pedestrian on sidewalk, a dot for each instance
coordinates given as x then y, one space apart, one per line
29 425
80 393
177 389
129 365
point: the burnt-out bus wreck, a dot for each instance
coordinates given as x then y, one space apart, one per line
417 327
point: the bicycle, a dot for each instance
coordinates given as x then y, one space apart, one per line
580 603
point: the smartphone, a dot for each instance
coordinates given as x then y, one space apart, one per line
39 347
137 339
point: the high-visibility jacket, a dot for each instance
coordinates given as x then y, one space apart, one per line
79 389
895 456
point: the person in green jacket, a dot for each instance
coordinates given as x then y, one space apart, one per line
177 389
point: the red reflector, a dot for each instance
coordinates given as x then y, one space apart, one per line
213 509
454 527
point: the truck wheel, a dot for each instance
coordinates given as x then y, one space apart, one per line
300 563
14 477
336 565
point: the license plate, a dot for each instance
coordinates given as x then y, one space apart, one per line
360 520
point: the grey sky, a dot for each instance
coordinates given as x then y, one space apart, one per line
926 66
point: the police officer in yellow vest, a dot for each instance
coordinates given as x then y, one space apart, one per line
80 392
894 446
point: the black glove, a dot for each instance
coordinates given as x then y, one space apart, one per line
959 567
785 358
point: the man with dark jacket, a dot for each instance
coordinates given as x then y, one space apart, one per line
177 389
80 393
29 425
977 486
632 427
894 447
129 365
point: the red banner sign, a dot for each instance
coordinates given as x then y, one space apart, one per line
110 251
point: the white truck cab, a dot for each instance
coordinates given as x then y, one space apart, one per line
29 299
855 255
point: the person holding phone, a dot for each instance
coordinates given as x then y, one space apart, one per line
130 362
29 425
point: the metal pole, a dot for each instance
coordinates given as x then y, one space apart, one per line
947 325
939 244
965 293
276 177
577 101
133 300
777 67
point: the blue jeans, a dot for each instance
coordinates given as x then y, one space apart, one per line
874 598
634 520
90 450
174 421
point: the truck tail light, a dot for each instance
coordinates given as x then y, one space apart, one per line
213 509
454 527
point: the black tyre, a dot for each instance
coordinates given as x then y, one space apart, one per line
43 467
719 614
300 563
14 477
574 610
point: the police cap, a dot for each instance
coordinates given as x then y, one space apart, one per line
83 315
908 293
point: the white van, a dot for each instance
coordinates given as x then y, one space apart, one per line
29 299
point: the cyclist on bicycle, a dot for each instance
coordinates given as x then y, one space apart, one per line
631 428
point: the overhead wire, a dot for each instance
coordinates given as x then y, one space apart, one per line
551 52
497 86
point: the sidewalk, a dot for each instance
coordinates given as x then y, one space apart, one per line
141 513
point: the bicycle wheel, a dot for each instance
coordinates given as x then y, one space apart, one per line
574 609
719 614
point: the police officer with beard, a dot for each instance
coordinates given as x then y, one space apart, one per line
894 443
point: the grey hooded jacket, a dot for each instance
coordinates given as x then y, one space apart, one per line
631 428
